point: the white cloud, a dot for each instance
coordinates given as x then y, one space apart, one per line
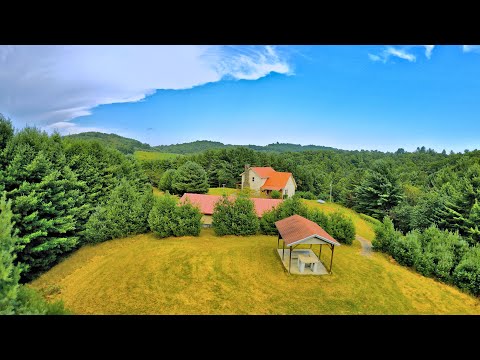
400 53
404 52
428 50
375 57
48 86
471 48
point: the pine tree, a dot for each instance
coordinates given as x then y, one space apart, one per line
9 272
191 178
379 192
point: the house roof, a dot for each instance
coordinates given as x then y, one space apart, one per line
296 228
276 181
207 203
263 172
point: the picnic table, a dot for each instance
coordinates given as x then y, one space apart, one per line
307 259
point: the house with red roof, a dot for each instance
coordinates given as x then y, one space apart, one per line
266 179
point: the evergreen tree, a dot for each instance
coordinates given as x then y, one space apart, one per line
191 178
165 183
125 213
6 131
9 272
379 192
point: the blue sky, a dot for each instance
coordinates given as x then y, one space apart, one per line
349 97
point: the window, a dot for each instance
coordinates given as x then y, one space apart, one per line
286 191
253 178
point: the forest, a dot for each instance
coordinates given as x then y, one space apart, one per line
60 193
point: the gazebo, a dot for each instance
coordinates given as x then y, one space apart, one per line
297 230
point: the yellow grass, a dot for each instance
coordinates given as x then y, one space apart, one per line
221 191
157 192
362 227
153 155
239 275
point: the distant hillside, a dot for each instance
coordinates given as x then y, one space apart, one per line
123 144
129 146
202 145
191 147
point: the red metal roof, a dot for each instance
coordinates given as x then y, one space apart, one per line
296 228
263 172
276 181
207 203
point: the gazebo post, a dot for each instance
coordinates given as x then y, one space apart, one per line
283 256
331 260
278 241
320 251
290 262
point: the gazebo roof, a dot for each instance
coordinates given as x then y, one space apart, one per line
296 229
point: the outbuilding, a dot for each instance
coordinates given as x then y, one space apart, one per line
295 231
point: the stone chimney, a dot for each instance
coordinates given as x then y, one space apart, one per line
246 182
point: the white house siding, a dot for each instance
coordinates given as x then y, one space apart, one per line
257 183
289 189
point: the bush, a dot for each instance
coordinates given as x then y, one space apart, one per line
167 218
292 206
341 228
442 251
267 222
385 236
188 220
320 218
408 249
165 183
275 194
467 273
235 217
308 195
125 213
162 216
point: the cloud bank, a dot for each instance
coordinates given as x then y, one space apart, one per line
49 86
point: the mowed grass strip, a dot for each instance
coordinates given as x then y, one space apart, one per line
239 275
153 155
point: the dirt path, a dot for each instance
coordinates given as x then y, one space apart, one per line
366 246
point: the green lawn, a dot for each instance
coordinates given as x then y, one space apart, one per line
238 275
153 155
362 226
221 191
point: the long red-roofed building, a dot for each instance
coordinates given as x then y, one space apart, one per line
206 203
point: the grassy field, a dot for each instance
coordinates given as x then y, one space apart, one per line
238 275
362 226
221 191
152 155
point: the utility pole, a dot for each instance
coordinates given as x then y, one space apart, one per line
331 183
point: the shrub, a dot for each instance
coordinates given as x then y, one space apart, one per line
165 183
292 206
442 251
320 218
467 273
162 216
308 195
385 236
408 249
235 217
267 222
341 228
125 213
188 220
275 194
